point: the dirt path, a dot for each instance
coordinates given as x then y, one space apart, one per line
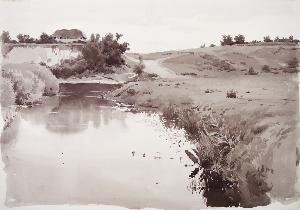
156 67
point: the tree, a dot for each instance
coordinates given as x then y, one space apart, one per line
97 39
239 39
226 40
267 39
46 39
106 51
276 39
92 38
139 68
25 38
5 37
291 38
113 50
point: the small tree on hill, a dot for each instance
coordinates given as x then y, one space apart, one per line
5 37
226 40
139 68
239 39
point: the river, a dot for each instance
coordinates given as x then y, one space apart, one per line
78 148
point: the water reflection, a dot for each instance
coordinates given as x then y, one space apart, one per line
77 149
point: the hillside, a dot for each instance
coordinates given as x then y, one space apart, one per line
237 59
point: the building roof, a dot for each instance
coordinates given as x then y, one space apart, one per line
69 34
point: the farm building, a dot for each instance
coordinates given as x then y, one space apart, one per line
69 36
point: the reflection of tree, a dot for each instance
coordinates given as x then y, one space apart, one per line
76 110
227 149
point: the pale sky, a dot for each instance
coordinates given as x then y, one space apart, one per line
155 25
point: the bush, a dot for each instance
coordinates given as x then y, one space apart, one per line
5 37
251 71
69 68
139 68
266 68
231 94
226 153
293 63
267 39
30 82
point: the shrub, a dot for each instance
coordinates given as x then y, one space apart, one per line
293 63
138 69
267 39
222 149
251 71
69 68
231 94
188 73
28 88
152 75
30 82
266 68
5 37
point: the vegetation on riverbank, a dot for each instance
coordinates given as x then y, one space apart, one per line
25 84
99 55
226 151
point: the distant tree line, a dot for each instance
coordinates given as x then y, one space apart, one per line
240 39
25 38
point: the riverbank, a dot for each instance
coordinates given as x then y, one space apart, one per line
273 98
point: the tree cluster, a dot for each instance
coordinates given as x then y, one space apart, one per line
25 38
228 40
106 51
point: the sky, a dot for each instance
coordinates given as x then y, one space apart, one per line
155 25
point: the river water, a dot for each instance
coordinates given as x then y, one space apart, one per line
78 148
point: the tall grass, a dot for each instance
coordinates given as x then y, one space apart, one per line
226 150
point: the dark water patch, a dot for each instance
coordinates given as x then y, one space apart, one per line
87 88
